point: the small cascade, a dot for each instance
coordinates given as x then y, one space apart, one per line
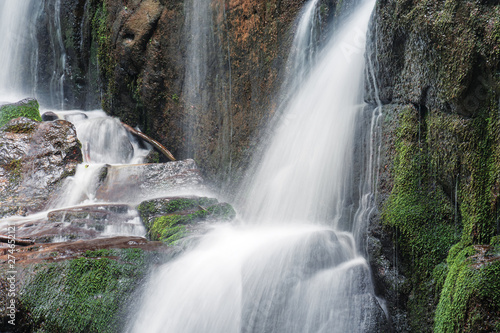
104 141
200 39
56 90
305 46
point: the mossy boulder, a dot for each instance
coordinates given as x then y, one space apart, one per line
86 294
28 108
168 219
470 299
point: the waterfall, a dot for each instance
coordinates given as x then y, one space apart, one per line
32 52
305 173
288 267
56 91
304 48
16 37
199 39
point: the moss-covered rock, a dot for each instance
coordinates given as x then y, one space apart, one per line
470 299
86 294
28 108
420 212
437 65
168 219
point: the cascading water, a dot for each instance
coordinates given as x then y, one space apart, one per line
25 72
199 39
304 48
104 139
289 268
14 18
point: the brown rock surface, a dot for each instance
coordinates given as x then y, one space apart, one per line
34 159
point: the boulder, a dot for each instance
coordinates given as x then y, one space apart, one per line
49 116
27 107
82 286
34 159
126 183
169 219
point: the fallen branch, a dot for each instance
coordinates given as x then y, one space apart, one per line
146 138
17 241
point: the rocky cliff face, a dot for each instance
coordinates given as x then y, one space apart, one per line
203 84
437 71
148 83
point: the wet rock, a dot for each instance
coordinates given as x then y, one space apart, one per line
49 116
98 277
434 68
169 219
83 222
126 183
25 108
34 159
92 213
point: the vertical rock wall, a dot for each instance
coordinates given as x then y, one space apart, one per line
438 75
142 58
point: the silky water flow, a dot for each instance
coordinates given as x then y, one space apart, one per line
288 266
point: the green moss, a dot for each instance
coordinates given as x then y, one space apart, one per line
470 300
26 108
445 199
479 224
167 206
101 32
86 294
168 228
99 253
419 209
14 168
166 219
421 213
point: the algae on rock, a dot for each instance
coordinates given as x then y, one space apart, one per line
168 219
28 108
86 294
437 64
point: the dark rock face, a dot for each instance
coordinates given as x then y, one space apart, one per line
79 85
435 65
148 50
34 159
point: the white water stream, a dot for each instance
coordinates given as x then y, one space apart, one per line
20 52
288 267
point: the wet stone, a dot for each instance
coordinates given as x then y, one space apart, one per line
34 159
